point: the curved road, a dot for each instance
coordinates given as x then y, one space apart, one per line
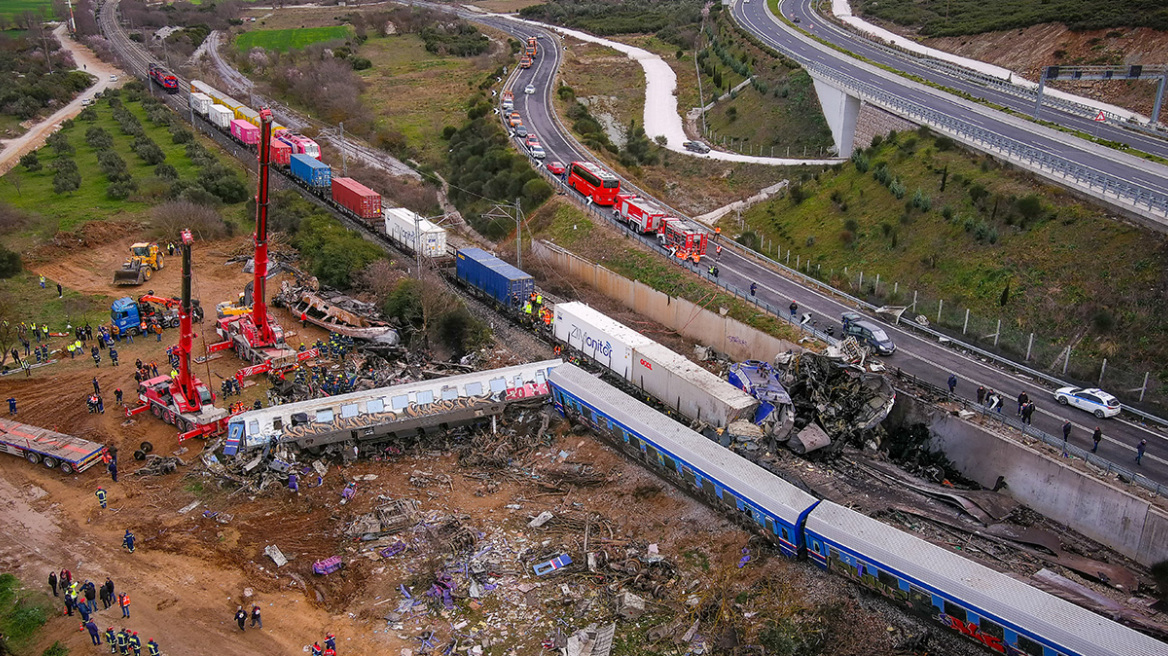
822 27
756 18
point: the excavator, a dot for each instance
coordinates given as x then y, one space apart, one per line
145 258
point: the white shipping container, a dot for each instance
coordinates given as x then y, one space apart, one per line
400 226
201 103
608 342
687 388
221 116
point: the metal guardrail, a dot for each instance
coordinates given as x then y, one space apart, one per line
1005 420
1086 178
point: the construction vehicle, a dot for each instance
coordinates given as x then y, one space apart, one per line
247 327
184 401
132 316
145 258
531 47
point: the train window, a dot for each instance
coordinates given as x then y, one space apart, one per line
324 415
688 475
708 487
498 385
625 434
955 611
277 423
991 628
424 397
349 410
770 526
919 598
449 393
474 389
786 535
588 413
253 427
399 402
374 406
540 379
887 579
1029 646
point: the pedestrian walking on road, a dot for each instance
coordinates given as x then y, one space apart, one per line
1140 451
952 383
1066 436
53 582
255 617
101 497
1028 413
124 602
1023 399
128 541
241 618
794 307
1096 437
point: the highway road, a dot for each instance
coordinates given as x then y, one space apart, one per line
821 27
920 357
757 19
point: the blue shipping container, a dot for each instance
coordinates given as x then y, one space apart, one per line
494 277
311 171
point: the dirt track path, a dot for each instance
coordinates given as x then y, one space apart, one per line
35 137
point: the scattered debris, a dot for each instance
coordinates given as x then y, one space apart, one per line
327 566
630 606
552 565
336 312
273 552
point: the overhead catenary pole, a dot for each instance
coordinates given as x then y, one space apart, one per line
518 235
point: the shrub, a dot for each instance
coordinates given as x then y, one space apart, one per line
180 135
860 161
799 193
60 144
10 263
31 162
121 189
1030 207
461 332
360 63
169 219
897 188
166 172
405 303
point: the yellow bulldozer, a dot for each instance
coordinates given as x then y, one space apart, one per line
145 258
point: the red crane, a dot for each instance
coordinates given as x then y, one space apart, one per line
265 332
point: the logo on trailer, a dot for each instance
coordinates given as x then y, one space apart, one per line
589 343
646 364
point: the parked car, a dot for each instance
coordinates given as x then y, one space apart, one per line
868 333
556 167
529 89
696 146
113 78
1091 399
86 102
521 130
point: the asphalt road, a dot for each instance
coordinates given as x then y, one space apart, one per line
756 18
814 22
923 358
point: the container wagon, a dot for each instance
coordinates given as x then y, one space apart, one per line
687 388
602 339
414 232
221 116
357 198
245 132
314 173
201 103
56 450
493 278
248 114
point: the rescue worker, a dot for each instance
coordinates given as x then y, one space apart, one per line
118 395
753 288
124 601
113 353
135 644
123 642
111 639
128 542
240 618
255 617
152 647
330 642
101 497
316 650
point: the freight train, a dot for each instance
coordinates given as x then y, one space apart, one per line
163 78
993 609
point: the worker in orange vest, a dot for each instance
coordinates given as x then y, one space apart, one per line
124 602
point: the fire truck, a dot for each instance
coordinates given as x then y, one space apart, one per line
682 238
640 214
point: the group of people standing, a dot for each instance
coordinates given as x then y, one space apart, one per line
81 598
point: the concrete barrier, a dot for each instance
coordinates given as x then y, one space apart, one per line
734 338
1111 516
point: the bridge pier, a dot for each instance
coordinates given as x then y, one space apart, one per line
842 112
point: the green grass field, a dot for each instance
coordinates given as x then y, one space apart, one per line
14 8
290 39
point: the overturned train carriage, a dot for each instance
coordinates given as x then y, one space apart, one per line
386 413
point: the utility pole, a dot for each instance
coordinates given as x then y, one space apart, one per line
518 235
344 160
417 243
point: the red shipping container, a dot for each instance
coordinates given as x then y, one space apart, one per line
280 152
245 132
359 199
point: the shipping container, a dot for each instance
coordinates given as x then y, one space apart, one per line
245 132
687 388
201 103
221 116
311 171
605 340
404 227
357 198
227 101
280 152
493 277
198 86
245 113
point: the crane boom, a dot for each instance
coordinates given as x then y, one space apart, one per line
259 313
186 381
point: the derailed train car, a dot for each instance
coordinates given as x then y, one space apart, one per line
993 609
376 415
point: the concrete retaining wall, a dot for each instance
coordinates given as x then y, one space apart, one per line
736 339
1113 517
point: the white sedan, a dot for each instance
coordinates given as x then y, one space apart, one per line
1092 399
529 89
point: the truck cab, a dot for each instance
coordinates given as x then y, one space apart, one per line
868 333
124 314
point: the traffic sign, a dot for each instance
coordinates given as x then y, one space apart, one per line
1101 117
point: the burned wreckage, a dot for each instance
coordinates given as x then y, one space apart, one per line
807 402
335 312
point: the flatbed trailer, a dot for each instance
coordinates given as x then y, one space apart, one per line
41 445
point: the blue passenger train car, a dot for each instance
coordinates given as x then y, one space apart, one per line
764 501
494 278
